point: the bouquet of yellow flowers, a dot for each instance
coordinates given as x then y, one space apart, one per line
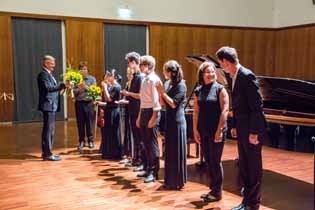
73 76
93 93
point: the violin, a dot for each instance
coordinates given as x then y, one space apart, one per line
100 118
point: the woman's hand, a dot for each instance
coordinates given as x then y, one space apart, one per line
197 136
218 136
138 122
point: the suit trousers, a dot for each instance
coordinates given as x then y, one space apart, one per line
212 153
49 119
139 151
149 137
250 163
84 111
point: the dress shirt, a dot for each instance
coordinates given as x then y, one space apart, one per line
149 96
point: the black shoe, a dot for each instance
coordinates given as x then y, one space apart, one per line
210 198
149 178
57 156
52 158
124 161
239 207
91 144
81 145
128 164
143 174
139 168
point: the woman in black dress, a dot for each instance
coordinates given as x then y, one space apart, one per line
211 104
111 144
173 95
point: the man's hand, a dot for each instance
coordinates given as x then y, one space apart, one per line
218 136
234 132
151 123
68 84
253 139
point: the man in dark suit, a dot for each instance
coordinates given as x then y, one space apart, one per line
49 104
248 125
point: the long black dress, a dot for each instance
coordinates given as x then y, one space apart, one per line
175 138
111 145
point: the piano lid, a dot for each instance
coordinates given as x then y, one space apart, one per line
197 60
288 97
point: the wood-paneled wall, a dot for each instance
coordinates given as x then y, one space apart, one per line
288 52
85 42
295 53
6 72
255 47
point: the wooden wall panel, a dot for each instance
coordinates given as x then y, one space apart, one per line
255 47
85 42
295 53
6 73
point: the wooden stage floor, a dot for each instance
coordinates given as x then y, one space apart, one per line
83 181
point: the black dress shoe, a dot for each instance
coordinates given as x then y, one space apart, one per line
149 178
239 207
143 174
139 168
128 164
91 145
210 198
81 145
52 158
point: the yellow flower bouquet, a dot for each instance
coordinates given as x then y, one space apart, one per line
93 93
73 76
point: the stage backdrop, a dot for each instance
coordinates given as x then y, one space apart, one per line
32 39
119 40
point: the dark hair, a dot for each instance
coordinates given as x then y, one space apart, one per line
202 69
82 64
227 53
133 56
115 74
176 71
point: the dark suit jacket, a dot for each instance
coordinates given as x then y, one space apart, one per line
247 103
48 92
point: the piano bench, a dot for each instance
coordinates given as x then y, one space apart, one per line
189 141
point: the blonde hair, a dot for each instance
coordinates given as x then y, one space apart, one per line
149 61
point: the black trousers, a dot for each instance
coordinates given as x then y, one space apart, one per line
84 111
149 137
212 153
49 120
138 149
250 164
